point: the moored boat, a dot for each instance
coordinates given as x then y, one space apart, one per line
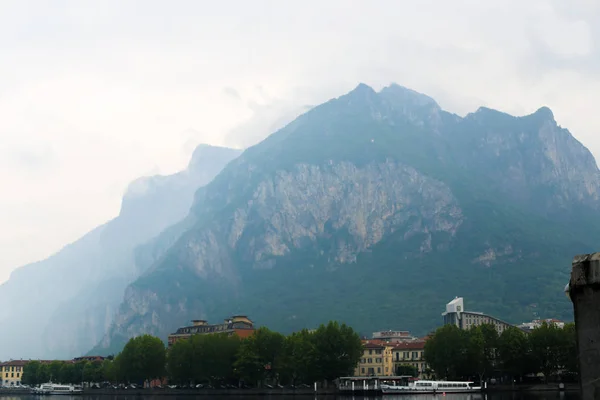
430 387
54 389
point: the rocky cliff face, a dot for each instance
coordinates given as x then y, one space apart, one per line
376 208
67 302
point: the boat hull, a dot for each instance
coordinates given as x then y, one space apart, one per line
414 390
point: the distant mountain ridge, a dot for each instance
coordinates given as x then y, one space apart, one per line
62 306
376 208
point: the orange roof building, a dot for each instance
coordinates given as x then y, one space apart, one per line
239 325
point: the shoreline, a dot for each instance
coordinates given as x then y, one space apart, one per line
283 392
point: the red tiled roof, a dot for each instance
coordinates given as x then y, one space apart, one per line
416 345
373 346
14 363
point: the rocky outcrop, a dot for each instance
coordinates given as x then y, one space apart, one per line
373 208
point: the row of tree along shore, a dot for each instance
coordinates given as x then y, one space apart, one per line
327 353
482 353
218 360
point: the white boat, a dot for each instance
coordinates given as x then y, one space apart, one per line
429 387
53 389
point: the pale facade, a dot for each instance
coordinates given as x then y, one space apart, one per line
376 360
455 314
412 354
12 372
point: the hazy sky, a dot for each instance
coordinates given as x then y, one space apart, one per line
96 93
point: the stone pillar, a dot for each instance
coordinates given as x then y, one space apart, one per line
584 292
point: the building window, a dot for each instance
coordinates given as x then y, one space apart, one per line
12 375
370 360
378 360
17 374
378 370
370 352
362 370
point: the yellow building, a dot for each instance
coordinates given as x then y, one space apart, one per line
12 372
376 360
410 353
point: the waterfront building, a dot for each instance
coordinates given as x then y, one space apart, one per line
376 359
411 354
455 314
239 325
12 372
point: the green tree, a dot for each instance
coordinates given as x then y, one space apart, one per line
514 354
481 353
258 355
30 373
67 370
180 361
299 358
569 354
547 348
338 349
446 352
109 370
54 370
407 370
143 357
43 373
220 352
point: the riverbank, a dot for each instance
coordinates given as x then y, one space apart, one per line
193 392
553 387
283 391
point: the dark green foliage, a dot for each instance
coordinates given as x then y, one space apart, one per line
142 358
331 351
259 357
446 352
481 349
514 352
31 373
338 350
407 370
203 358
569 356
299 357
36 373
453 353
548 347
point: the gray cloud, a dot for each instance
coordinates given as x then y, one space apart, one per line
94 97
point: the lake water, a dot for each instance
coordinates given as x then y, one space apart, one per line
498 396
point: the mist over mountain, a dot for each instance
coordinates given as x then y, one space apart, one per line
60 307
376 208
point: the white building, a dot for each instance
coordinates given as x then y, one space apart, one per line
536 323
455 314
394 336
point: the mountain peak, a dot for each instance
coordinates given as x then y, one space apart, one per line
408 96
205 152
545 113
362 91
